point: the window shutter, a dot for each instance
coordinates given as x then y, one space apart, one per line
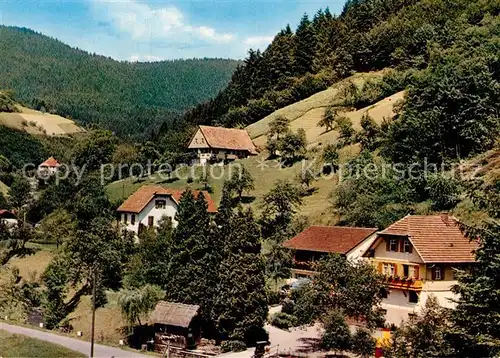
387 245
380 267
411 247
401 245
416 271
395 269
434 273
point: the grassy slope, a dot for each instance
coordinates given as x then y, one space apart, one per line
3 188
303 114
109 322
35 122
15 345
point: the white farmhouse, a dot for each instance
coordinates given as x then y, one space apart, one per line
220 145
151 203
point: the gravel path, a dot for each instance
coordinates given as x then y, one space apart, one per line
72 343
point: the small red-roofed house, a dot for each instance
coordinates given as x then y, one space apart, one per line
48 168
152 203
220 145
315 242
419 255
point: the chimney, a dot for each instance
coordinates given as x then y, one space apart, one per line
445 217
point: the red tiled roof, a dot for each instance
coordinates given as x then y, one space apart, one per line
333 239
51 163
228 138
436 238
138 201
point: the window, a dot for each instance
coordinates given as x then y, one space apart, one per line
407 247
125 218
406 271
393 245
389 269
160 204
132 219
412 297
151 220
438 274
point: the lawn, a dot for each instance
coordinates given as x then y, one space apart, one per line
14 345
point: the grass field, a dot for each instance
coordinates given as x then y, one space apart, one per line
15 345
3 188
35 122
303 114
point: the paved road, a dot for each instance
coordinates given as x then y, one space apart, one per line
72 343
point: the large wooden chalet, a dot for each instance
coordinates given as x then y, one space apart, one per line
220 145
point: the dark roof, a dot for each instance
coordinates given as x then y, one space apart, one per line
332 239
436 238
5 214
174 314
138 201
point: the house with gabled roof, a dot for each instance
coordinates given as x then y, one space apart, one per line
48 167
220 145
315 242
152 203
419 256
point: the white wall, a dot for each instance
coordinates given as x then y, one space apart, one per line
356 253
150 210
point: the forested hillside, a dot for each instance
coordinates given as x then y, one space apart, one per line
128 98
368 35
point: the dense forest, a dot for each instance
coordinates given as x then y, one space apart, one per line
367 35
128 98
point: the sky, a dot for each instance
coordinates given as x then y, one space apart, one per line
153 30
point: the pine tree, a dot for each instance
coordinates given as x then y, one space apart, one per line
305 46
476 319
241 308
192 265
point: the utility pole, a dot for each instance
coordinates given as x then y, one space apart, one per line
93 315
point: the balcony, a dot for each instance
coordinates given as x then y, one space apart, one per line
404 283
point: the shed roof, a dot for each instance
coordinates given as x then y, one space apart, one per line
436 238
138 200
227 138
331 239
174 314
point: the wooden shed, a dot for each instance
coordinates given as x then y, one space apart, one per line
176 325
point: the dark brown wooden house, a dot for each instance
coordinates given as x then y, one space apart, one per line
176 325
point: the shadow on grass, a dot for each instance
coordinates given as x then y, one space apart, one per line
309 191
247 199
169 180
308 345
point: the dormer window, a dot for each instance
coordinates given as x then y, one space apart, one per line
393 245
407 246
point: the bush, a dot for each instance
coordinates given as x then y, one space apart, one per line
233 346
363 343
283 320
190 180
337 336
288 306
273 297
306 307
